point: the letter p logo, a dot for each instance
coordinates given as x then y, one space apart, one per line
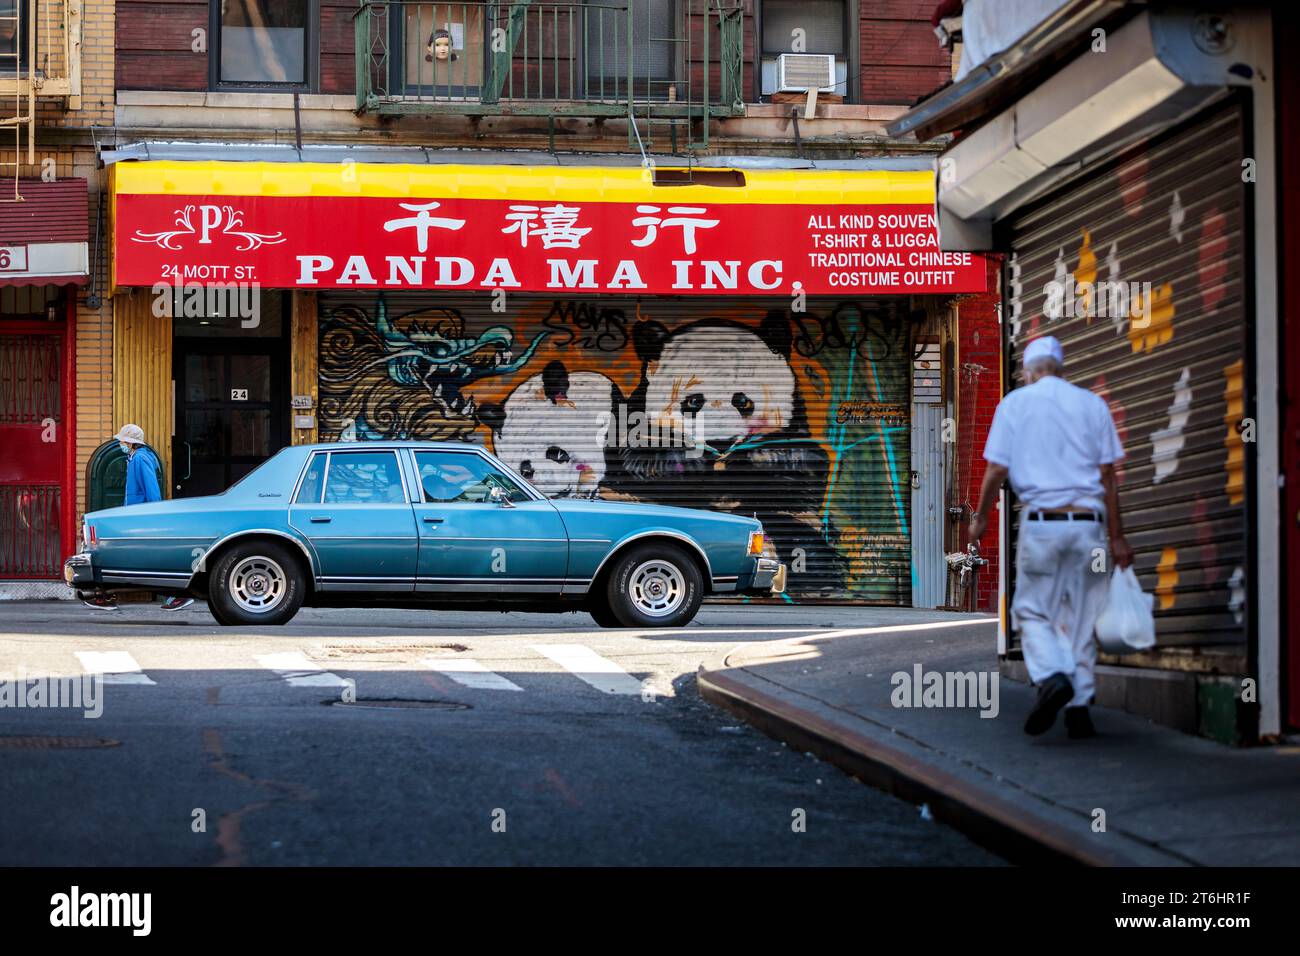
209 218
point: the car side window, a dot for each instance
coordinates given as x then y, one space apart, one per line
363 477
309 490
451 476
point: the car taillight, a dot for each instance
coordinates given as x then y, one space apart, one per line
90 537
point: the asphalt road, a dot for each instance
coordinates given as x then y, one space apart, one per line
534 739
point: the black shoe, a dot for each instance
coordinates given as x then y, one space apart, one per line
1078 724
1053 694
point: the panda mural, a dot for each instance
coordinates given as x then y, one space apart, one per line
551 430
729 390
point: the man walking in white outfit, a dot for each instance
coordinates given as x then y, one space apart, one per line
1057 444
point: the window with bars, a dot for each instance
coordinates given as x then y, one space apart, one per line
653 51
13 36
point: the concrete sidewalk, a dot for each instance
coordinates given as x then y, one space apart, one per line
1168 799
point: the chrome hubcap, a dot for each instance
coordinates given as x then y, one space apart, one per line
657 588
258 584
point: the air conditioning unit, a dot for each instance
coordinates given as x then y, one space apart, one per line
800 72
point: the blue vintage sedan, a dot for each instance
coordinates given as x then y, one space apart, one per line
420 524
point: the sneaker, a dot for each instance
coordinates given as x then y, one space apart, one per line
1053 694
100 602
177 603
1078 723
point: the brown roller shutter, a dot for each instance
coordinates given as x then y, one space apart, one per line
1166 223
801 417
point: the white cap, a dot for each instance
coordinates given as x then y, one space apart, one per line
132 433
1045 346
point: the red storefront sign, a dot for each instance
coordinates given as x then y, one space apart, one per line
665 247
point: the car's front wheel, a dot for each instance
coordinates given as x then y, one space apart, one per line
256 583
654 585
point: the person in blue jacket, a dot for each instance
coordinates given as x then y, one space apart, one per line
141 487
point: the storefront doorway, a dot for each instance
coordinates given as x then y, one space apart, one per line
36 524
232 397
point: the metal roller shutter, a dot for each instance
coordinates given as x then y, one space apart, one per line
802 419
1165 224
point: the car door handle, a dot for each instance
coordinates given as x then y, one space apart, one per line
321 519
430 519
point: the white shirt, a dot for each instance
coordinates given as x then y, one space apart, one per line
1053 438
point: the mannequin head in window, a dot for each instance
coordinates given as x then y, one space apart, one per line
439 48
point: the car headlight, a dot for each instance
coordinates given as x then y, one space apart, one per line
759 545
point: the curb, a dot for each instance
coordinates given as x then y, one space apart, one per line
1016 830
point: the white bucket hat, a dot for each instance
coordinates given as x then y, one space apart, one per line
132 433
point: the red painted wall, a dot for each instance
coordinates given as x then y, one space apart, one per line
979 389
902 61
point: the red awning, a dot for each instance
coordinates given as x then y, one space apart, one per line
44 236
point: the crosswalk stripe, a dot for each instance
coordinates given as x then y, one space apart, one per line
298 671
117 667
585 664
469 673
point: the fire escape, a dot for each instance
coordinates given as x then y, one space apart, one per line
40 56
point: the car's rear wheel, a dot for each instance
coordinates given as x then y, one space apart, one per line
654 585
256 583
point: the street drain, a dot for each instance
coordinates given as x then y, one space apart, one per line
397 703
35 742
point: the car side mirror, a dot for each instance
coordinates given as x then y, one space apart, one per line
497 495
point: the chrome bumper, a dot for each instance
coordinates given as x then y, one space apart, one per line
78 570
769 576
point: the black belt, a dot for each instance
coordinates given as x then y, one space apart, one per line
1064 516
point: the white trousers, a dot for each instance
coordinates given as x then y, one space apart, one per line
1059 593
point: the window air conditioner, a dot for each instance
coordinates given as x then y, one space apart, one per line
800 72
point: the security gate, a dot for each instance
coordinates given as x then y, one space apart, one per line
33 443
1140 271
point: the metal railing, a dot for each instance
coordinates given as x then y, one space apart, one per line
639 59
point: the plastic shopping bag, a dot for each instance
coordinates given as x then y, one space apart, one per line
1126 622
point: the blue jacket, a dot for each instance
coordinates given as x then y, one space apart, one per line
142 478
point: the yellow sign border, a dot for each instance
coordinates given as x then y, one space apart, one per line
574 184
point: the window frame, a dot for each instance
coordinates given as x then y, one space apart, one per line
24 46
329 463
530 493
311 57
853 75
